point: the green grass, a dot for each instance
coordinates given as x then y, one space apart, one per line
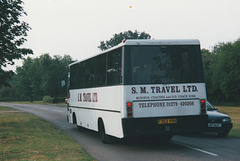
39 102
29 102
2 108
234 113
26 137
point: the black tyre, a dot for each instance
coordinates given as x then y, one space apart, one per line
74 119
103 136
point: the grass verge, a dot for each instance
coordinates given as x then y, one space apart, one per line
34 102
39 102
26 137
234 113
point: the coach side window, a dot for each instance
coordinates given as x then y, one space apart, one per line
75 76
114 66
100 70
89 75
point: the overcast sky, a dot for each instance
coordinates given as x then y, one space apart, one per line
76 27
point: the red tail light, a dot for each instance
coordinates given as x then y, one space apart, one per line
129 109
203 106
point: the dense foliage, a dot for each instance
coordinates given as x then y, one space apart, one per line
118 38
222 72
44 75
12 35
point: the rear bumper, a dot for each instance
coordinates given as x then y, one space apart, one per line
150 126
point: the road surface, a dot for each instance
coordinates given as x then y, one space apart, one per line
180 148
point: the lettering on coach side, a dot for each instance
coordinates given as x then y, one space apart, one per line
166 104
190 89
143 90
79 97
87 97
134 90
94 97
164 89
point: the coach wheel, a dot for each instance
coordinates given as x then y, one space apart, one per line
74 118
103 136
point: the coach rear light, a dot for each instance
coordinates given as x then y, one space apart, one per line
203 106
129 109
129 104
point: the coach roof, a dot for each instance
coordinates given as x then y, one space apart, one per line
150 42
162 42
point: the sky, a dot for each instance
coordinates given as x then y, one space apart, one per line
76 27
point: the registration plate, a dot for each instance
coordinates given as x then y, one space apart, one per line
167 121
214 125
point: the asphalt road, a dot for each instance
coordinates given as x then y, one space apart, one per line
205 146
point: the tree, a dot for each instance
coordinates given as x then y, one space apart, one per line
227 69
118 38
222 72
12 35
43 76
24 77
208 59
5 76
10 93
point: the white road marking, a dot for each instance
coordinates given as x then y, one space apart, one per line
197 149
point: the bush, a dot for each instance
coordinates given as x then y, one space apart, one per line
48 99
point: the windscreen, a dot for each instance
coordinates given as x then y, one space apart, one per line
162 64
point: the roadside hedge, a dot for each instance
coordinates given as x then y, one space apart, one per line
48 99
